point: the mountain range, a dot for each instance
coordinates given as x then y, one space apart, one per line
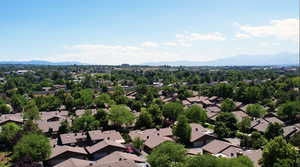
240 60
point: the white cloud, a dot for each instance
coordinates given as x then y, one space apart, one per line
242 36
149 44
215 36
285 29
170 44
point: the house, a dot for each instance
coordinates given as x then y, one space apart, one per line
74 162
15 118
254 156
48 127
239 115
200 135
163 132
231 151
73 139
153 141
121 163
273 119
119 156
97 135
216 146
194 151
63 153
104 148
290 131
260 125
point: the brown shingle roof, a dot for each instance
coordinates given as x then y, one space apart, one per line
124 163
154 141
103 144
109 135
58 150
216 146
71 138
74 162
117 156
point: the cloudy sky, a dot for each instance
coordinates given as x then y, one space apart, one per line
138 31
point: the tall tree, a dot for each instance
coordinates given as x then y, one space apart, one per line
278 151
196 114
167 154
35 146
183 130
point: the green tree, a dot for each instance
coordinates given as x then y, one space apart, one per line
31 111
18 102
4 109
182 130
69 102
103 99
227 105
172 110
295 140
121 115
256 110
196 114
138 143
273 130
9 133
222 130
64 127
252 94
278 151
35 146
102 116
167 154
144 120
245 124
86 122
156 113
289 110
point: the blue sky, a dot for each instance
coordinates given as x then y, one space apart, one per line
137 31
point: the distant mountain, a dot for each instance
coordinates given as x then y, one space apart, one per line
240 60
40 62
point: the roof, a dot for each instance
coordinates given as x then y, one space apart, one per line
194 151
198 131
70 138
154 141
239 115
109 135
232 151
260 125
58 150
163 132
45 126
254 155
216 146
11 117
213 109
117 156
288 130
274 120
122 163
103 144
74 162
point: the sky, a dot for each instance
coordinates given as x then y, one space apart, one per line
139 31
